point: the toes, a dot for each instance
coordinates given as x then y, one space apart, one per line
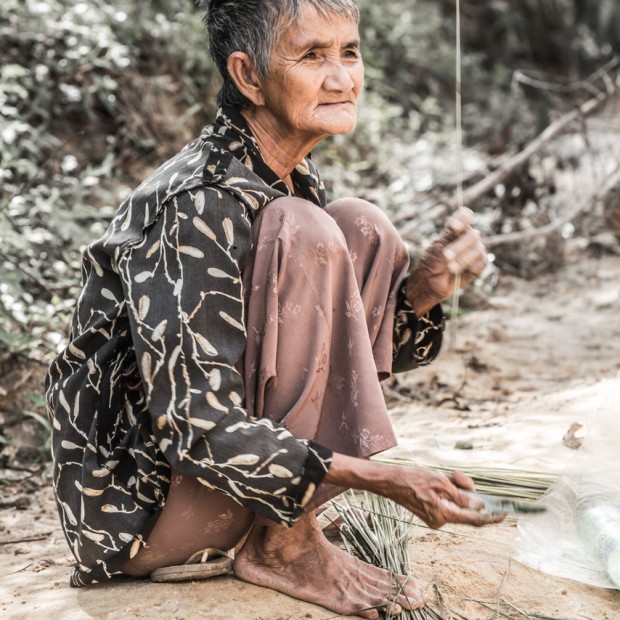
365 600
409 602
382 589
409 594
390 609
381 602
398 592
403 589
393 609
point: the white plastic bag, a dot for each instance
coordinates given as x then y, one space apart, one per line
579 536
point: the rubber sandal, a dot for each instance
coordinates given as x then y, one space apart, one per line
205 564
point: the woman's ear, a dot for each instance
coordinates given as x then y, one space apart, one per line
241 71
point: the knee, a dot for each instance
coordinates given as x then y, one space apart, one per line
300 222
359 218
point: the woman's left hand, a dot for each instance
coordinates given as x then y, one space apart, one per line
433 496
458 250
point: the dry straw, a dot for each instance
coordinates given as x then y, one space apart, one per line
516 484
377 529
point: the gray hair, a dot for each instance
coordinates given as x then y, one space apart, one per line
254 27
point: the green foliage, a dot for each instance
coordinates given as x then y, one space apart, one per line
70 134
45 447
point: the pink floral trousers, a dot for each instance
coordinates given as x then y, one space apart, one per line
320 289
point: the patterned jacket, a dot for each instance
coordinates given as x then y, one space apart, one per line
149 378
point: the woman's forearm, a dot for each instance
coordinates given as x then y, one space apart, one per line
359 474
434 497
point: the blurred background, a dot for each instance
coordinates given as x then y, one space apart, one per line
94 95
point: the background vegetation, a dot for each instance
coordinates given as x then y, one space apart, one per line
93 95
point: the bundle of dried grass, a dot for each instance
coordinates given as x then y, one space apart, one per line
377 529
516 484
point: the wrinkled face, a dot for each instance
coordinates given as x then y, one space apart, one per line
316 75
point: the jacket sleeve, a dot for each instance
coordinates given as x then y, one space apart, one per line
184 292
417 339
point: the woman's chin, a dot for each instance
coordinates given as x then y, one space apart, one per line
336 129
339 131
337 119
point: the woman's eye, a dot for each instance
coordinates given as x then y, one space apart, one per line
311 56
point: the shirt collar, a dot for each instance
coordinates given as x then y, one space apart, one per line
231 136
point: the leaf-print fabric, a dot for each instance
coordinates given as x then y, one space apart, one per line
151 378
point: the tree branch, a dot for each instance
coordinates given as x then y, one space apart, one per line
472 194
521 235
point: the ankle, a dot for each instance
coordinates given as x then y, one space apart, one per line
286 544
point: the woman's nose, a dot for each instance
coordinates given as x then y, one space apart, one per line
338 78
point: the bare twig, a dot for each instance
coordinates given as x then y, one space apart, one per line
487 605
23 468
517 609
15 502
24 540
483 187
506 167
542 231
501 585
46 286
536 79
480 189
547 229
22 569
442 604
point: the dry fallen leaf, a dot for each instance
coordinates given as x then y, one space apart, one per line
573 438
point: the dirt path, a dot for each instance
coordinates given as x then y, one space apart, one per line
539 359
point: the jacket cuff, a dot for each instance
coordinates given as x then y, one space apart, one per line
417 340
316 467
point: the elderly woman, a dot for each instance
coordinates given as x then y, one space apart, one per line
222 379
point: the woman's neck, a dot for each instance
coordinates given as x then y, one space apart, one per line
281 150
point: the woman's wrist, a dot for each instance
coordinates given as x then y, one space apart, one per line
360 474
418 296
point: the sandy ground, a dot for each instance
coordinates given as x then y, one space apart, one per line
546 354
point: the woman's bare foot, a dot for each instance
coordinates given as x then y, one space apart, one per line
300 562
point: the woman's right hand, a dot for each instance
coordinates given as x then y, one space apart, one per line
434 497
457 250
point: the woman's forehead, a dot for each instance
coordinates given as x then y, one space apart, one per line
314 30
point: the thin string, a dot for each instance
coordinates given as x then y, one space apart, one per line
459 126
459 178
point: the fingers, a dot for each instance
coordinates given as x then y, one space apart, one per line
464 506
466 253
462 481
460 505
467 516
463 250
460 221
439 499
479 263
